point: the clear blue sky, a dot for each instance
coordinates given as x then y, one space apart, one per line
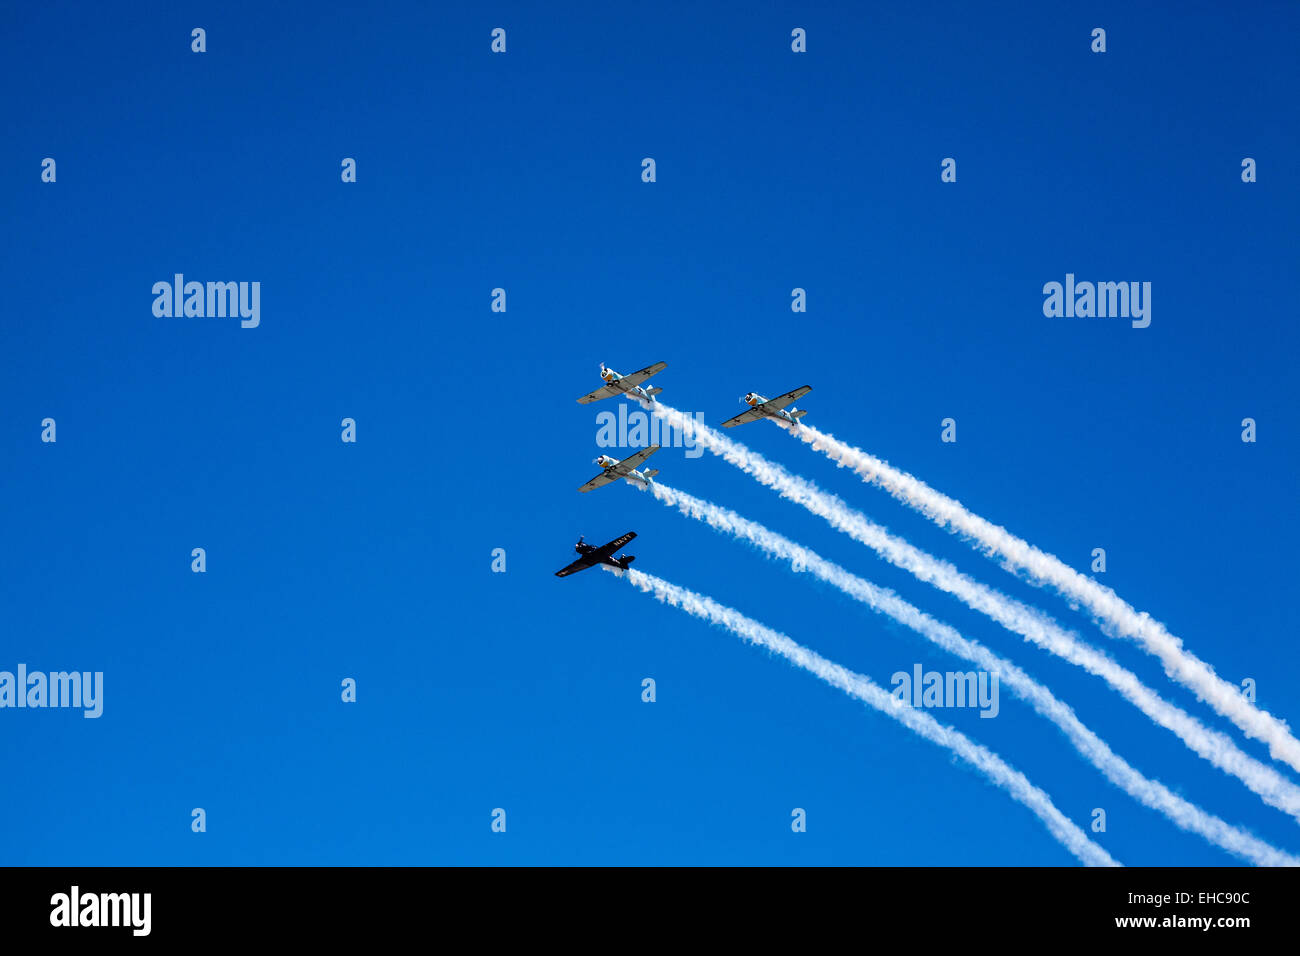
372 561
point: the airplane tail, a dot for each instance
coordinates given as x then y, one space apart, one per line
651 472
652 391
625 559
798 413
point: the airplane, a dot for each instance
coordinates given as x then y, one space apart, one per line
615 469
592 555
760 407
616 384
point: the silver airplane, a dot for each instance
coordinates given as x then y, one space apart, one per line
615 469
760 407
630 384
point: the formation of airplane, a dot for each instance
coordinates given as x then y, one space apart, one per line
760 407
593 555
615 469
616 384
612 469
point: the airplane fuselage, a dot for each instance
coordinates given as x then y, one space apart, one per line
612 469
611 377
628 385
591 555
622 561
607 463
755 401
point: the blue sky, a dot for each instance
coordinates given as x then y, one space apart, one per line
522 171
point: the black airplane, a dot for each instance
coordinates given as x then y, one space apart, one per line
592 556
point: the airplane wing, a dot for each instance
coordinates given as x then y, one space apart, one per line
636 378
605 391
604 478
634 461
605 550
580 565
781 401
749 415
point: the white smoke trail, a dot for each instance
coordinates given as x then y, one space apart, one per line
1152 793
1115 616
855 685
1029 623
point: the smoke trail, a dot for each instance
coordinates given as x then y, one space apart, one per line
855 685
1029 623
1115 616
1149 792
